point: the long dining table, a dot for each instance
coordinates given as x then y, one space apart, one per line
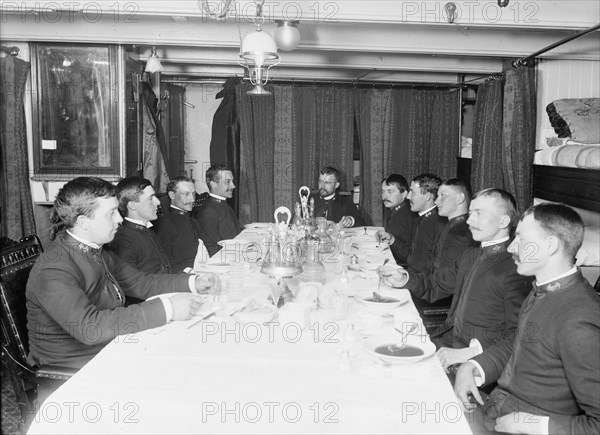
308 371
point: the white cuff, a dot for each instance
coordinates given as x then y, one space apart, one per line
192 284
167 305
476 346
480 379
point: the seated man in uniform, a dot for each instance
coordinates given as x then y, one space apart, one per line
549 374
76 290
177 232
332 206
453 200
401 222
216 218
489 291
135 243
422 196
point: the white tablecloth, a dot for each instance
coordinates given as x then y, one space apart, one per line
222 376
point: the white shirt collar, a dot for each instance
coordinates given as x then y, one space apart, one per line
177 208
562 275
421 213
218 197
327 198
85 242
494 242
138 222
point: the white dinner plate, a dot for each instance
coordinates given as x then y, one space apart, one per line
258 225
360 231
242 243
394 348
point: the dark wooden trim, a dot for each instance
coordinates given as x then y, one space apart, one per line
576 187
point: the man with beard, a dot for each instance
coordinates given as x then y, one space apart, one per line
216 218
332 206
76 290
401 222
177 232
549 374
135 243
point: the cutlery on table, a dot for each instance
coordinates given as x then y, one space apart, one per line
411 329
208 316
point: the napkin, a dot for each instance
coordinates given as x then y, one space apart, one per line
308 293
201 256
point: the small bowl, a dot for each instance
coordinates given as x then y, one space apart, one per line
385 303
393 348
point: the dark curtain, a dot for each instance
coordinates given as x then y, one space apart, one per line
285 138
518 137
375 125
323 131
16 202
406 131
487 137
225 141
257 136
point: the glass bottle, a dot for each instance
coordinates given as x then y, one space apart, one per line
297 220
313 269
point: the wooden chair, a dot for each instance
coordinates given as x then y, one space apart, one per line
17 259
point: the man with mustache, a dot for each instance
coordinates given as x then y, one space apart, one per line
332 206
401 222
177 232
549 374
422 196
76 290
135 242
216 218
453 199
488 291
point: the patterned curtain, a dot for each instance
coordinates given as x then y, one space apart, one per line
16 202
518 137
374 120
405 131
487 137
257 138
323 126
286 138
444 140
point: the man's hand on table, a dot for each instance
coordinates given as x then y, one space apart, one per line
185 305
386 238
393 275
448 356
206 282
347 221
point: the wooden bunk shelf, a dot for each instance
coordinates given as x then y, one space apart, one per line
576 187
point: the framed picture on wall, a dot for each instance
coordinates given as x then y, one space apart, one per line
75 111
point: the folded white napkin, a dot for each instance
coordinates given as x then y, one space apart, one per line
202 256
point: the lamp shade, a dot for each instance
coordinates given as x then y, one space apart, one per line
258 46
287 35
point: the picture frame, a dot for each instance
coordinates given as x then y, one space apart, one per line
75 111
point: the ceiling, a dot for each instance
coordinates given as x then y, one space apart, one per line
386 41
